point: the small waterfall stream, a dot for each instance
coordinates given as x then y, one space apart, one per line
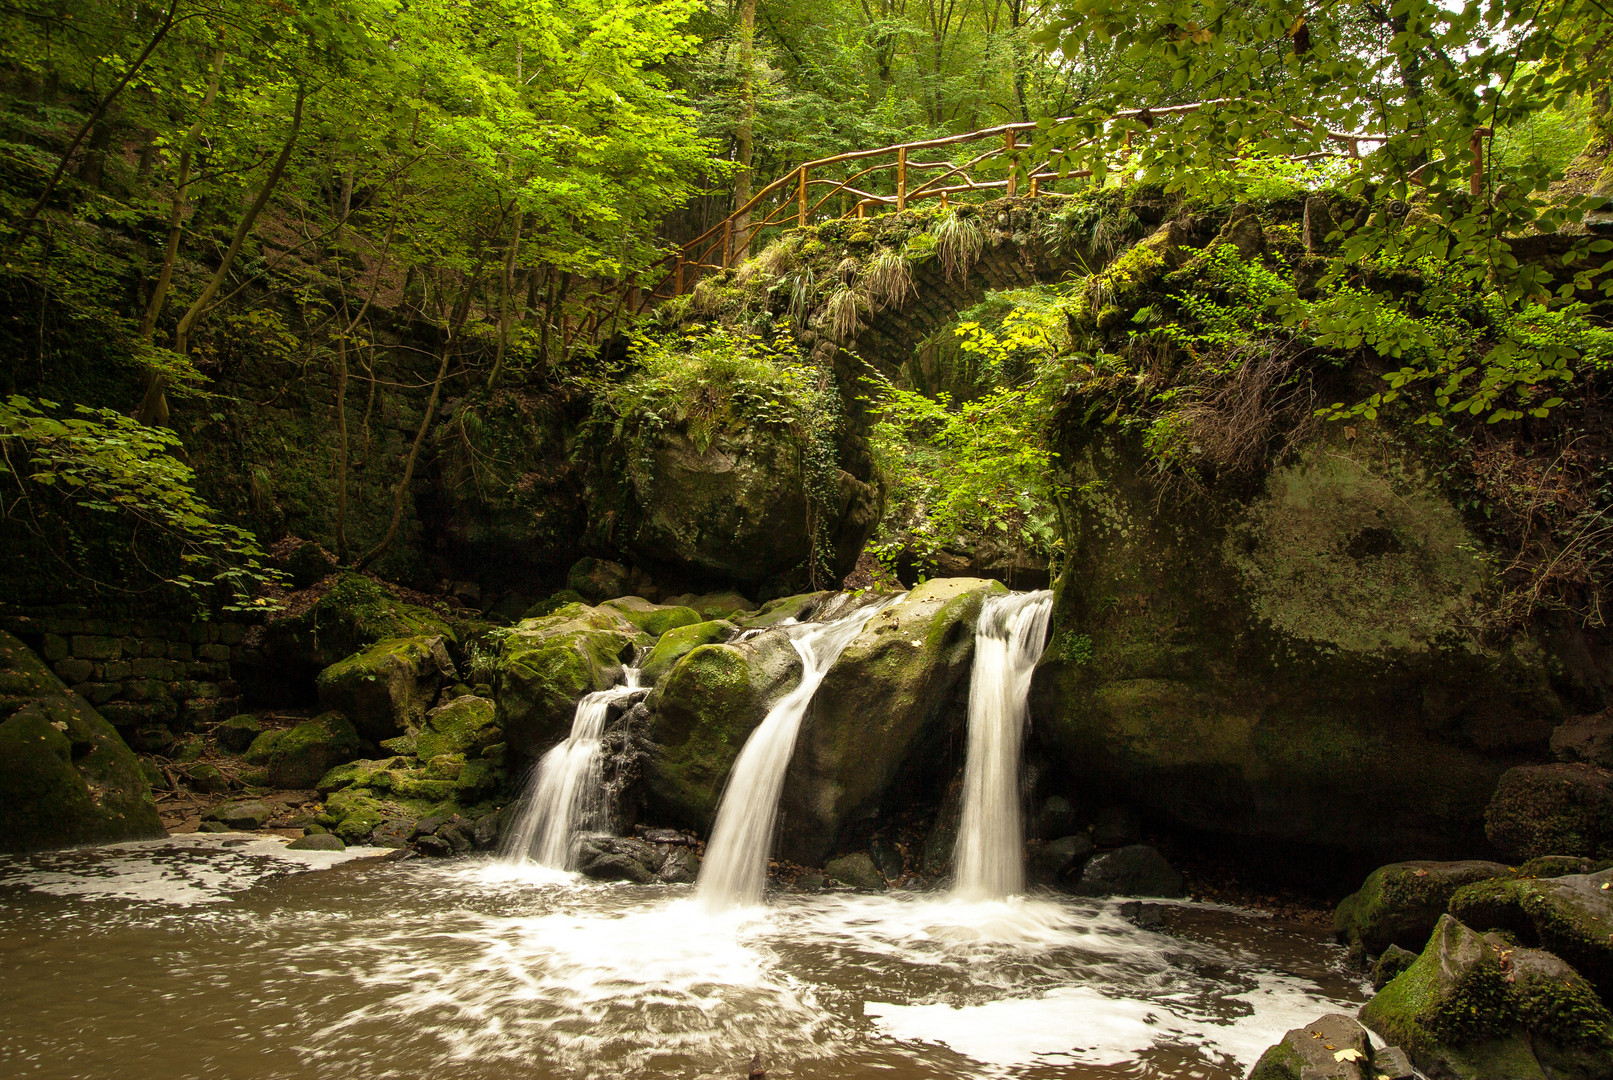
566 793
989 857
734 872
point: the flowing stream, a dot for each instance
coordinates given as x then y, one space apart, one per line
1009 638
734 871
565 795
225 956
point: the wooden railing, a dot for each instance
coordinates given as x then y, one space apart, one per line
803 195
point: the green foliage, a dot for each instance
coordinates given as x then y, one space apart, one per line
64 468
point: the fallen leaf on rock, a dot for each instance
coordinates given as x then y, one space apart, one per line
1349 1053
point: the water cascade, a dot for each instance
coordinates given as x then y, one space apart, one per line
566 793
735 868
1009 639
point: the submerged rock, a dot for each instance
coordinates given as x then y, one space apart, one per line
877 705
387 688
251 814
1399 904
66 777
298 757
1138 870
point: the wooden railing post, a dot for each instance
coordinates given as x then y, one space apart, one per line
727 242
677 278
901 179
800 200
1036 186
1008 149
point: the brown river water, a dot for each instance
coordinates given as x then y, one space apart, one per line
223 956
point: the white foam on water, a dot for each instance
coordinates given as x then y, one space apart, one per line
181 870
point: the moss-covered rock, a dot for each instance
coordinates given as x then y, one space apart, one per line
465 725
1312 1052
857 870
597 579
297 757
1291 661
1572 916
1561 809
66 777
1399 904
702 712
236 733
718 605
386 688
797 608
355 613
546 665
675 644
876 707
653 619
1454 1012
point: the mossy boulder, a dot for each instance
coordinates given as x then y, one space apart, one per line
546 665
66 777
796 608
387 688
466 726
653 619
355 613
1561 809
857 870
597 579
236 733
1311 1052
1399 904
675 644
1290 659
879 705
702 711
1572 916
718 605
297 757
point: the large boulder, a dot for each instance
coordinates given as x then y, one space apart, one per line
1561 809
653 619
1586 738
387 688
675 644
297 757
354 613
879 702
66 777
465 725
546 665
1571 915
1290 659
735 509
703 710
1399 904
1138 870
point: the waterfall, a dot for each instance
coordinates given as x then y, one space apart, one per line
989 857
565 795
735 868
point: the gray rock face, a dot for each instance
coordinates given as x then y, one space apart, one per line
1572 916
858 871
1335 1047
1585 738
241 815
66 776
1057 863
681 867
1137 870
237 733
881 701
619 858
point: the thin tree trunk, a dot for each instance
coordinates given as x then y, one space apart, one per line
341 375
154 409
506 286
744 134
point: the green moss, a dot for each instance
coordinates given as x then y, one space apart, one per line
355 613
1279 1062
1566 1011
1399 904
465 725
565 598
298 757
677 643
653 619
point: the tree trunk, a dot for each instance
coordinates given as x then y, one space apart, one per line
745 132
505 288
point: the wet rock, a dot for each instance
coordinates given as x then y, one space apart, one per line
1392 1063
466 725
887 856
1146 916
1334 1047
206 779
546 665
240 815
1117 826
297 757
485 833
317 842
315 829
942 839
797 608
664 836
858 871
237 733
1572 916
212 827
810 882
1562 809
701 712
619 858
1057 863
1560 866
1399 904
597 579
1137 870
1056 818
435 846
1587 739
880 703
388 687
717 605
677 643
392 833
1393 961
682 866
653 619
